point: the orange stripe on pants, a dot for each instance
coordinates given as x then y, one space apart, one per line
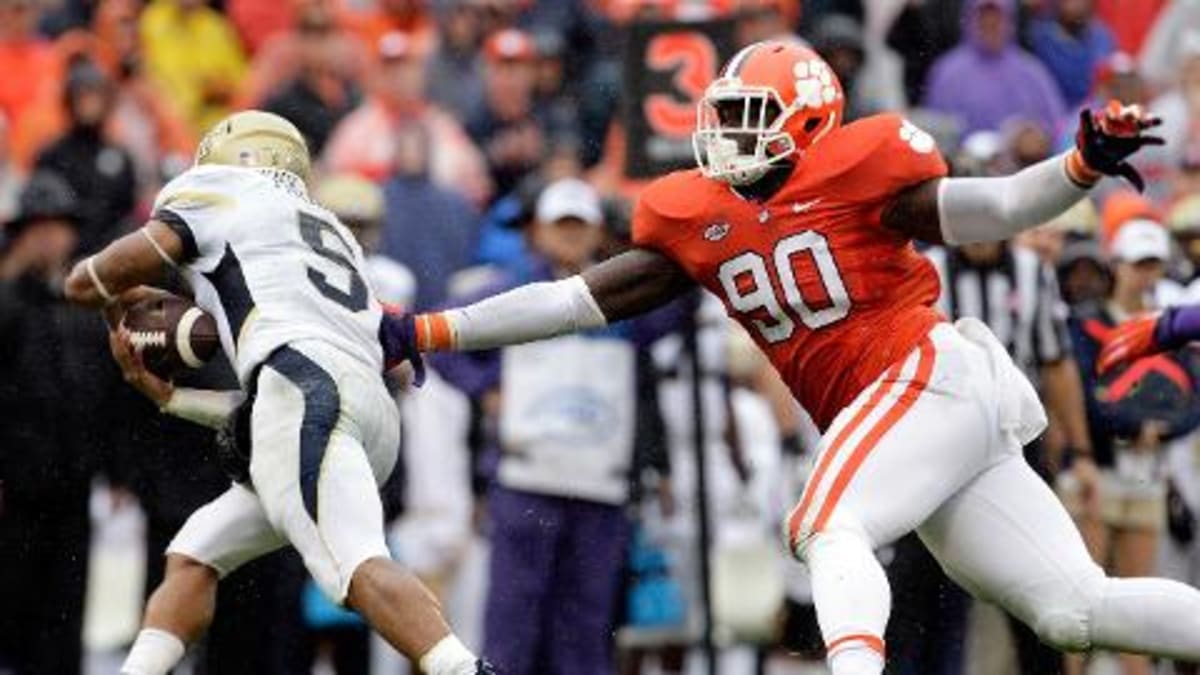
873 642
905 402
814 483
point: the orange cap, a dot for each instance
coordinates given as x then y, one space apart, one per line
1122 207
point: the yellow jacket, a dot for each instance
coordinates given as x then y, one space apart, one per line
194 57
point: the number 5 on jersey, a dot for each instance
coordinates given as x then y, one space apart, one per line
354 298
746 280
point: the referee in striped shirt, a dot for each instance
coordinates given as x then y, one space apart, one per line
1016 295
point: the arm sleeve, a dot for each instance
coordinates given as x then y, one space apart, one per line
532 312
197 206
994 209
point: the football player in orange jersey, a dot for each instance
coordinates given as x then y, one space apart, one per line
804 228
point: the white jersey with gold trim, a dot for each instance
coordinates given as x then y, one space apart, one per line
270 264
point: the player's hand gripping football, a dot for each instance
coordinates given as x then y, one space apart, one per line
114 312
1107 138
398 337
134 371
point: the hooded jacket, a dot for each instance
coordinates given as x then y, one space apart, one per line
984 87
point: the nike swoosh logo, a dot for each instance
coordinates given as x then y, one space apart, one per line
801 207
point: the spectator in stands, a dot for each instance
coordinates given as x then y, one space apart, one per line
367 140
1071 42
554 96
508 127
149 125
920 33
327 68
410 17
313 64
565 416
192 52
1130 418
45 471
1170 41
988 78
1179 106
871 75
100 172
32 72
428 228
1083 274
455 82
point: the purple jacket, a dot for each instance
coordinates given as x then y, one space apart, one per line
985 88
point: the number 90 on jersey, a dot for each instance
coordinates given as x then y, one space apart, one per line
746 280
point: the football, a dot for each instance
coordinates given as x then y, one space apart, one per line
171 334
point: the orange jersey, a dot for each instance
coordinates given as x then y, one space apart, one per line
830 295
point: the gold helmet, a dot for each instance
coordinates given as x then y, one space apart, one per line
258 139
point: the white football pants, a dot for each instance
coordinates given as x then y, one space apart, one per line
934 445
325 434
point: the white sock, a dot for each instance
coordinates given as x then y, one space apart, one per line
448 657
154 652
856 661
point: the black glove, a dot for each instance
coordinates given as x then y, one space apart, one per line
1106 138
398 337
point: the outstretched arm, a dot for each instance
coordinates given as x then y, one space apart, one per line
623 286
138 258
966 210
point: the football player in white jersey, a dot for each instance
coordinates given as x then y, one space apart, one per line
299 323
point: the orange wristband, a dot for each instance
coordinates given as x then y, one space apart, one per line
1079 172
433 332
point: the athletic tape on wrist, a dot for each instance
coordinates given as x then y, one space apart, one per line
1079 173
433 332
90 266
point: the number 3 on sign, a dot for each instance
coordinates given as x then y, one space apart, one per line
761 296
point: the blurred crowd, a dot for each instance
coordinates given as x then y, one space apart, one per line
549 492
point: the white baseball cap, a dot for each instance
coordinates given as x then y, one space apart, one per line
1141 239
569 198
